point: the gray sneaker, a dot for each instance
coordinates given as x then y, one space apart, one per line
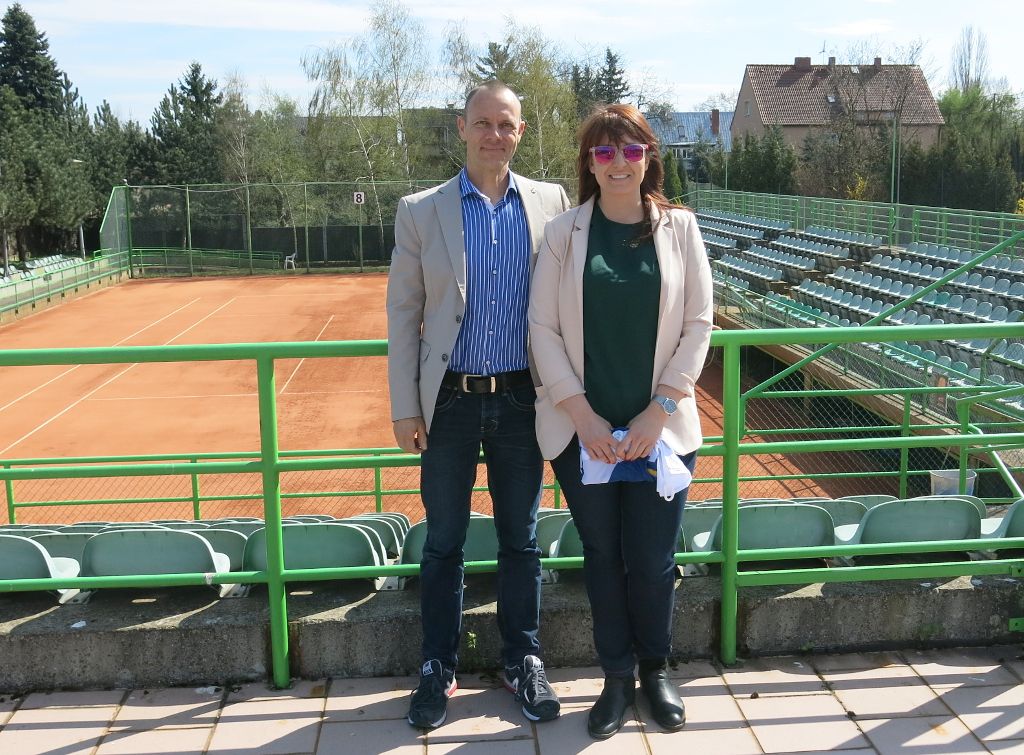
429 706
529 684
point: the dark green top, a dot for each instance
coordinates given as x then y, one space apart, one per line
621 297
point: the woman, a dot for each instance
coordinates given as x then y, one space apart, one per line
620 321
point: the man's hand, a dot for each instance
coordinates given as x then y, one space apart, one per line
411 434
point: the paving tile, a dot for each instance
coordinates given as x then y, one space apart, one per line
369 699
960 667
774 676
568 734
708 706
1008 746
580 686
992 713
379 737
855 661
7 706
269 726
67 731
739 741
476 715
156 742
801 723
888 692
925 734
261 691
693 670
100 699
169 708
505 747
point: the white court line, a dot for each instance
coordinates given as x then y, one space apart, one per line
72 369
237 395
80 399
289 380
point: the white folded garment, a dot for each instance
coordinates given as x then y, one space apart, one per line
663 465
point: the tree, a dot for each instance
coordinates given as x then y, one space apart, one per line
496 64
673 187
185 133
969 65
25 62
18 201
724 101
611 85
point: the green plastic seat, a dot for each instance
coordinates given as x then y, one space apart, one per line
1010 524
568 544
315 546
24 558
64 544
697 519
150 551
33 531
375 539
245 528
914 520
84 527
399 521
978 503
228 542
869 500
785 525
316 517
844 511
385 528
549 528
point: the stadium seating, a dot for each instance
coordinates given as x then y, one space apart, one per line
772 525
64 544
315 546
150 551
23 558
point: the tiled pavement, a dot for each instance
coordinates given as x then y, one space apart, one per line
948 701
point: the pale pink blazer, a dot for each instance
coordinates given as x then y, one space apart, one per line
556 321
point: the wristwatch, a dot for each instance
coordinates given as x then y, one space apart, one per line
667 404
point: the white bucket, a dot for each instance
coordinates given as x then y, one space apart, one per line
947 482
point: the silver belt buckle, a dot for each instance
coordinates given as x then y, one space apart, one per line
464 383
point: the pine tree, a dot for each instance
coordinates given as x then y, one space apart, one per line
673 188
497 64
25 62
611 84
184 127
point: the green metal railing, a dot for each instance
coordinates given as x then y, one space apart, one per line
272 462
899 224
47 285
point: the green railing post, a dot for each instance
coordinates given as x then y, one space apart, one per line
188 231
377 489
905 452
9 489
269 457
731 432
196 513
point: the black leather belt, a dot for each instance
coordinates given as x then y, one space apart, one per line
499 383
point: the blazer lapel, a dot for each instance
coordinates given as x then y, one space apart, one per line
535 219
448 203
578 246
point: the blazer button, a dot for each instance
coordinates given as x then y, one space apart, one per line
444 357
458 318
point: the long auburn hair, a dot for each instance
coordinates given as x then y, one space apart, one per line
622 124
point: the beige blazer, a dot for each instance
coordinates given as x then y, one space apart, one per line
556 321
426 297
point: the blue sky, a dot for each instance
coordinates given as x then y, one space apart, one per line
130 52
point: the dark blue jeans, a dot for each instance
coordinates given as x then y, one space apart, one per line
629 535
504 425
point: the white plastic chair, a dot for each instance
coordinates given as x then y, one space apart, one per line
289 261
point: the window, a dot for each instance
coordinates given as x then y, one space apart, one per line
747 105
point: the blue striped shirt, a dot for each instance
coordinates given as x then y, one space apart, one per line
497 239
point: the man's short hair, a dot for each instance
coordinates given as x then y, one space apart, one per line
492 85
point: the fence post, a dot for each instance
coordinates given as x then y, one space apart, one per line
128 229
305 218
188 231
9 489
731 430
269 453
377 493
248 228
904 451
196 513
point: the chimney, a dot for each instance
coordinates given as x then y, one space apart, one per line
714 121
878 64
832 61
802 64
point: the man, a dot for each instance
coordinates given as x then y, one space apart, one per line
460 379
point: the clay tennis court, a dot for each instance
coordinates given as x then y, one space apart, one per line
211 407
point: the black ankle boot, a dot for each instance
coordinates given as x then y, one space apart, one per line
609 712
662 695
